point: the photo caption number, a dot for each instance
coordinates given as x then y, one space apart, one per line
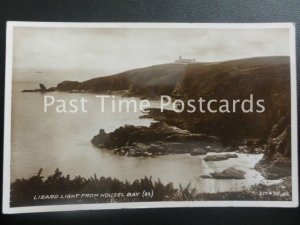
147 194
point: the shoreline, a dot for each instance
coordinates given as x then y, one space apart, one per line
172 133
180 121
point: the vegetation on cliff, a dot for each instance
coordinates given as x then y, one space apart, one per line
61 189
143 82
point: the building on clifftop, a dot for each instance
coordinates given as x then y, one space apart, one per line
181 60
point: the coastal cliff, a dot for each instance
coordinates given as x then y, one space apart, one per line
266 78
143 82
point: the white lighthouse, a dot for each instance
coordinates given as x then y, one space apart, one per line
181 60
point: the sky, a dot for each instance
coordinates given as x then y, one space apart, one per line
83 53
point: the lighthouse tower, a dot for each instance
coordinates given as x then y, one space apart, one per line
182 60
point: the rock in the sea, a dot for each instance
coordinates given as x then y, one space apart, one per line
42 89
215 158
198 151
229 173
231 155
160 138
219 157
100 138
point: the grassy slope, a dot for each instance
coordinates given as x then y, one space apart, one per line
265 77
237 76
165 75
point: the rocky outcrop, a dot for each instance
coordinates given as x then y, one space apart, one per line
42 89
276 162
198 151
219 157
229 173
157 139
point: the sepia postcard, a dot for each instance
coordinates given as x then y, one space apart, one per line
147 115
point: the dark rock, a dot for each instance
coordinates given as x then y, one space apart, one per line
157 148
276 162
206 176
231 155
198 151
68 86
278 166
178 147
219 157
153 140
100 138
42 89
229 173
253 142
215 158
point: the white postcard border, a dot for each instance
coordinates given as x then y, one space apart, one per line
166 204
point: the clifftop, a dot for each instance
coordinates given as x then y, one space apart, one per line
153 80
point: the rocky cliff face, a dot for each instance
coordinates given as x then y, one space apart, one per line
266 78
276 162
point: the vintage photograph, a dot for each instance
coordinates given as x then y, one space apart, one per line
131 115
